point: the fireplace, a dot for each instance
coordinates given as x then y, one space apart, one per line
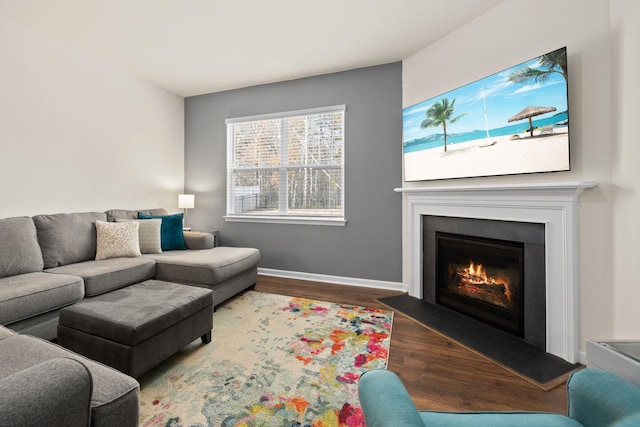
489 270
554 205
482 278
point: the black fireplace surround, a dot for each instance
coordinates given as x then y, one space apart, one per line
531 326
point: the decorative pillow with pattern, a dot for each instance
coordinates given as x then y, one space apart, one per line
149 234
117 239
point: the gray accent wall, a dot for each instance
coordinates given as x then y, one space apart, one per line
369 246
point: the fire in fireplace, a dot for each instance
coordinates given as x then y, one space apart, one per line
482 278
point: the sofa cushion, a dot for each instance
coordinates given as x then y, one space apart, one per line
115 240
112 214
67 238
205 266
171 235
115 396
109 274
19 252
148 234
28 295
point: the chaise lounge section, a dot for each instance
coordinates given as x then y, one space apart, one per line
227 271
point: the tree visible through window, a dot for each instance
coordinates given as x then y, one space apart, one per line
287 165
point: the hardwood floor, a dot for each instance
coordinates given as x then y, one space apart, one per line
438 373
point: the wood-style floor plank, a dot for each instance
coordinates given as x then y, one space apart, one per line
438 373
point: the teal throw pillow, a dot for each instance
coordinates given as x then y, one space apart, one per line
171 235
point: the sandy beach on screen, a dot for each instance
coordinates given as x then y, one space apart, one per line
546 152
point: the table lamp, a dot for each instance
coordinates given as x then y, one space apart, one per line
186 201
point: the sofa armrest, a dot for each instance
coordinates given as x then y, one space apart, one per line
53 393
198 240
600 398
385 401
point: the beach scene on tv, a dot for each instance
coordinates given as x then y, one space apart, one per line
512 122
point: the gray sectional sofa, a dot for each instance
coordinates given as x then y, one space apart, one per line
48 262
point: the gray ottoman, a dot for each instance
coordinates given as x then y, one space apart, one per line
135 328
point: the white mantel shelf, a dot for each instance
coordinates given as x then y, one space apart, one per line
554 204
575 187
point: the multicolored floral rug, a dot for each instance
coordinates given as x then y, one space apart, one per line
273 361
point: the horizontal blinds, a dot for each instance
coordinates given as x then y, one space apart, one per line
256 144
287 164
302 140
315 139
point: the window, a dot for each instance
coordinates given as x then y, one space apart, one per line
287 167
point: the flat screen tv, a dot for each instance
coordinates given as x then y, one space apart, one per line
512 122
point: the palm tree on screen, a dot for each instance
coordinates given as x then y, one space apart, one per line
549 63
439 114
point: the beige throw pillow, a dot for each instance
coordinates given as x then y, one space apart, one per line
117 240
149 234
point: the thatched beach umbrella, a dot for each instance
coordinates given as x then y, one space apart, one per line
529 112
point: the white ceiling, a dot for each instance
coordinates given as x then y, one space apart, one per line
191 47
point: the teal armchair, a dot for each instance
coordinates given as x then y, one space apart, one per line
596 399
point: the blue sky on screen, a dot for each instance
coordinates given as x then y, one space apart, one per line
503 100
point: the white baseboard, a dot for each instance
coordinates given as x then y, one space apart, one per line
350 281
583 357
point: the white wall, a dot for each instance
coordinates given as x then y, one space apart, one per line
625 37
78 135
603 141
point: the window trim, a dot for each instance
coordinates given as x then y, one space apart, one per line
292 113
311 220
286 219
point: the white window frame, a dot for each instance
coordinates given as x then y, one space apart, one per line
283 218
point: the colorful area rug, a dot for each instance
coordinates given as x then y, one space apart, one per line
274 361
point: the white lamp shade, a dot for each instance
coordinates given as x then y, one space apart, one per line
186 201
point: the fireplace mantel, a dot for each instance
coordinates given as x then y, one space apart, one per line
556 189
554 204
